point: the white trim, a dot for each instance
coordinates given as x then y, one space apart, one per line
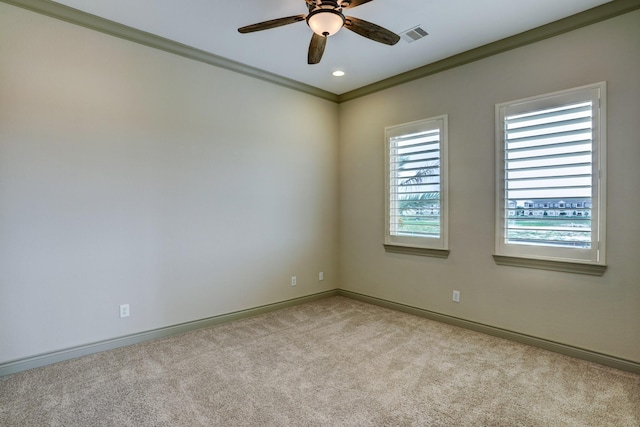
552 265
442 243
596 254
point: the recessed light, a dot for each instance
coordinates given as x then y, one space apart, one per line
338 73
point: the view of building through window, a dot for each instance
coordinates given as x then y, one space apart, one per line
548 176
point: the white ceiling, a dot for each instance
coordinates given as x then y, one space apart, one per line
454 26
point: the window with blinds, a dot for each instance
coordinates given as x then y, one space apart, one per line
416 183
551 199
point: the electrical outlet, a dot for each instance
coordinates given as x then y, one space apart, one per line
456 296
321 276
124 310
293 281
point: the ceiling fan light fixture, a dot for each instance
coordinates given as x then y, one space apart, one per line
325 22
325 19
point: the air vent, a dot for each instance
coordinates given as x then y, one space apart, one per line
413 34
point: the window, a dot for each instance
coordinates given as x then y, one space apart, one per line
416 186
550 184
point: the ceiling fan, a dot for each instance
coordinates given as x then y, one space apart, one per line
325 18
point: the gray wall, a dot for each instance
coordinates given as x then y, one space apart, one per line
130 175
597 313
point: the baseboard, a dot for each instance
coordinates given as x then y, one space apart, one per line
24 364
567 350
37 361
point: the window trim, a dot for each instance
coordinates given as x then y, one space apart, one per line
425 246
552 265
544 257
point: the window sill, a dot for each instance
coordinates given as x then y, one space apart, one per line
544 264
409 250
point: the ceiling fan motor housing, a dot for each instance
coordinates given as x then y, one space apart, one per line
328 4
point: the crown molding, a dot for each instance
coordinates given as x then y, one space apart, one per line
574 22
87 20
570 23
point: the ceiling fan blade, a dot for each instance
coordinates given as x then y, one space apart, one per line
371 31
266 25
353 3
316 48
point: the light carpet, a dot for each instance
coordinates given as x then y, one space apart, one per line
332 362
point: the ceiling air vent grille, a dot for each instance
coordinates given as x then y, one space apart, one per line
413 34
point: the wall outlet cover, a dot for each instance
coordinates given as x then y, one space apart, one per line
456 296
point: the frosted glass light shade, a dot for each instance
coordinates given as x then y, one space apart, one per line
325 22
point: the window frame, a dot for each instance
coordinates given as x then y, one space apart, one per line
423 245
549 257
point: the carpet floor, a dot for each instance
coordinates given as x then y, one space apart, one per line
332 362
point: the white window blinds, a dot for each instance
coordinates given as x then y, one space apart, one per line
548 163
550 173
415 182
